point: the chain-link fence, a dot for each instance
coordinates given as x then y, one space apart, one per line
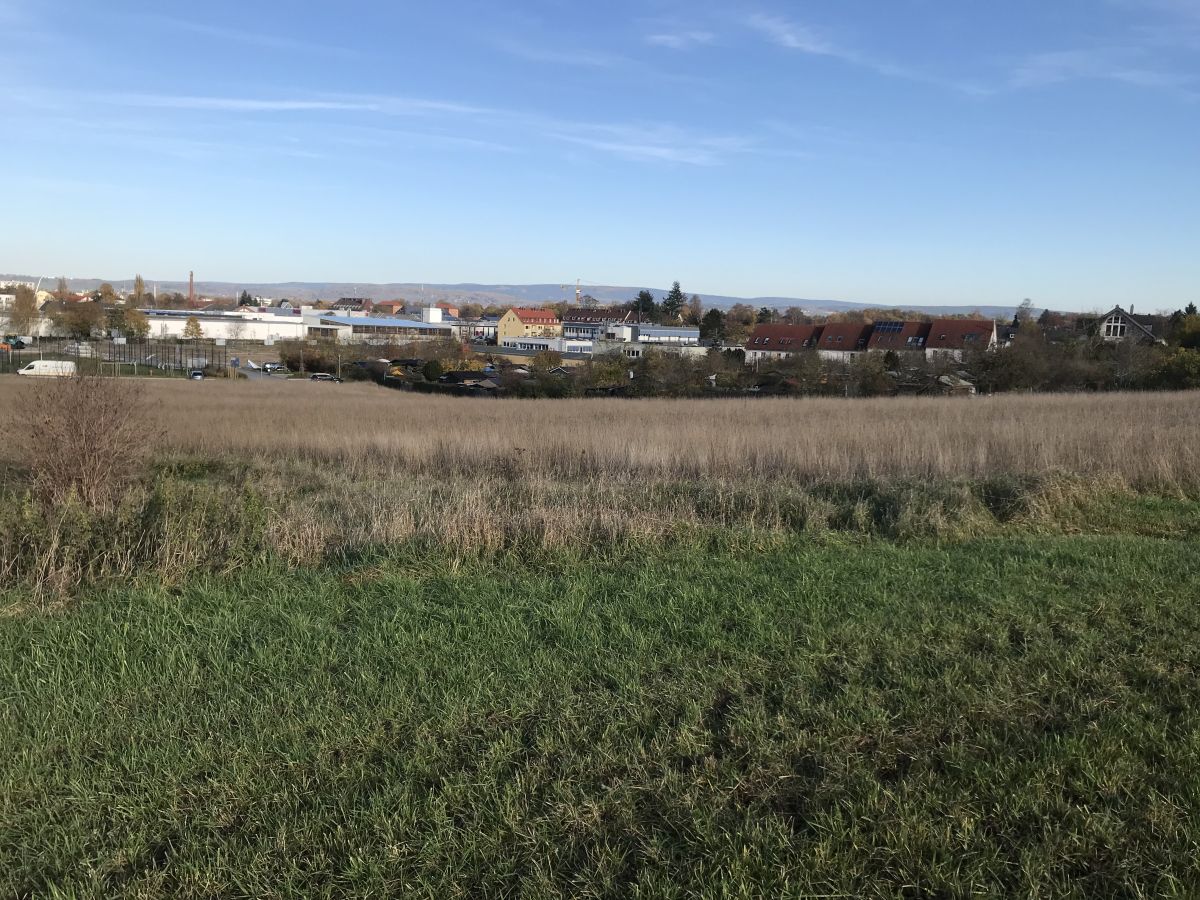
107 357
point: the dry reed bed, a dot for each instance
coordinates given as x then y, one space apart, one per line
1146 440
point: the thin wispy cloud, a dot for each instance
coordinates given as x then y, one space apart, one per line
271 41
368 136
1187 9
649 143
681 40
1155 50
805 39
421 106
235 104
358 103
566 56
1103 64
694 156
793 35
506 129
1172 25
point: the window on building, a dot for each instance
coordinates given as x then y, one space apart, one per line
1114 327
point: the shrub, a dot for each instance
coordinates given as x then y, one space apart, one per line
85 436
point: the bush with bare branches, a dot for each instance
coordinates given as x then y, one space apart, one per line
86 436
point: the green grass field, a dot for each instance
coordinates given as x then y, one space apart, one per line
1012 716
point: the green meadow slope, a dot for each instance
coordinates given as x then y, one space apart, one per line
1013 715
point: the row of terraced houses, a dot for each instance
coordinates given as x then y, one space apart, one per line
842 341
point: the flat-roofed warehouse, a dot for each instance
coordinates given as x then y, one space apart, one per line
360 329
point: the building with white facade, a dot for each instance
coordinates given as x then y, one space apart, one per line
565 346
378 329
245 324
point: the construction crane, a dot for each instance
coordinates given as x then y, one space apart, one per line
579 283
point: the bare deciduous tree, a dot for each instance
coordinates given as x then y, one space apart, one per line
24 313
86 436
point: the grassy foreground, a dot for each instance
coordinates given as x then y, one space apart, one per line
1006 716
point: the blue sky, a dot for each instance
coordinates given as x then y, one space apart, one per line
891 151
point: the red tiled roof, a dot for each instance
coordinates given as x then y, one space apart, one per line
898 336
783 338
957 334
535 316
844 336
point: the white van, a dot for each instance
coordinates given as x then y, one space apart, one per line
56 368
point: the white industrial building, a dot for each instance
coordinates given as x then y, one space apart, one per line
379 329
629 339
653 334
245 324
565 346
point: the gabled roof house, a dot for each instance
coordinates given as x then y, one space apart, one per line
899 337
953 336
842 340
775 341
1119 325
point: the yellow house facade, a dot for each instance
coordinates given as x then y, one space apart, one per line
526 323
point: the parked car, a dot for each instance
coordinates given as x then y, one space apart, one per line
324 376
196 374
53 368
272 368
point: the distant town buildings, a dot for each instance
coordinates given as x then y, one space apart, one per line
843 341
582 332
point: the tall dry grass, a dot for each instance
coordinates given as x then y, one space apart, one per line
1146 440
301 471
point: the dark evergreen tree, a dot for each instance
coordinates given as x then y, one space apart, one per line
673 303
712 326
646 307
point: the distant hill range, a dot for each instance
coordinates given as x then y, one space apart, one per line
499 294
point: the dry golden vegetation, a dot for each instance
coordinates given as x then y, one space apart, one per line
301 471
1147 440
